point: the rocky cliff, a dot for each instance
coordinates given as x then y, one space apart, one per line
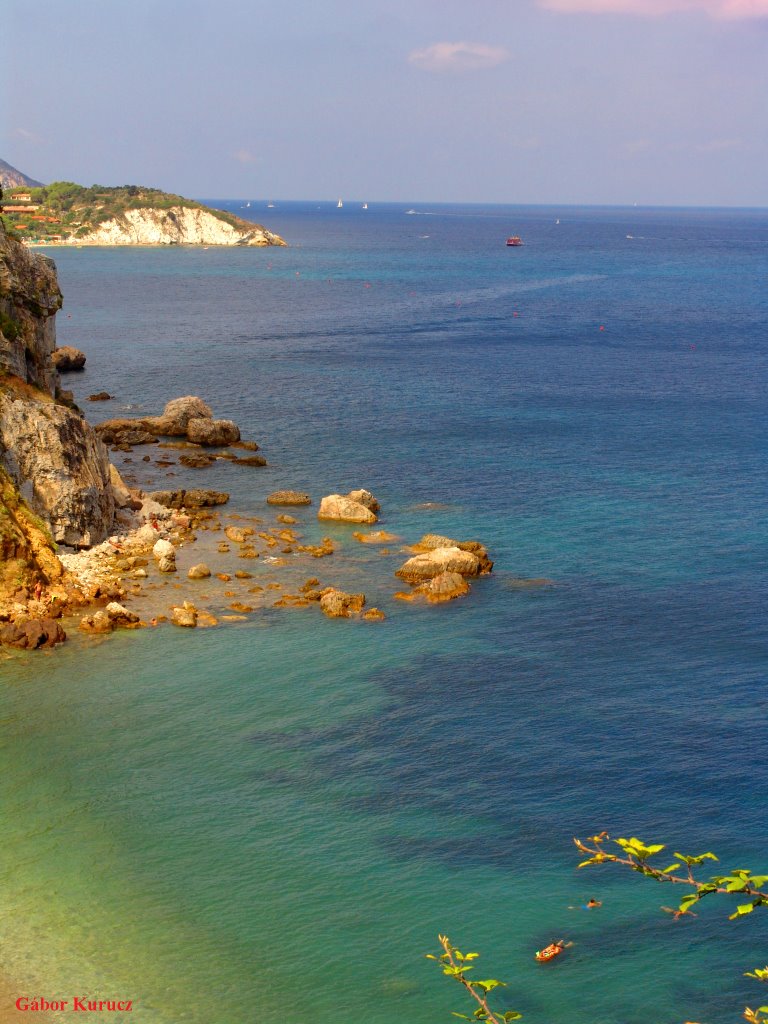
176 226
55 470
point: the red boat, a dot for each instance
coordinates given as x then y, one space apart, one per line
514 240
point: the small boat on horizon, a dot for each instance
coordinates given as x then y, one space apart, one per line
270 205
514 240
365 206
339 205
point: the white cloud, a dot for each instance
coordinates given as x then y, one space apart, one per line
461 56
723 9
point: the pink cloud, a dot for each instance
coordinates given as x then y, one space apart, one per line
457 57
725 9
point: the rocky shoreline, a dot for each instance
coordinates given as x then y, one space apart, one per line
82 550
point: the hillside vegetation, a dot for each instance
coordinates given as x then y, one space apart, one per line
65 211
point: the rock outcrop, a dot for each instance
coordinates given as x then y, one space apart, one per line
179 225
212 433
436 555
446 586
432 563
337 604
193 498
27 557
347 509
29 300
68 358
58 463
176 416
32 633
188 417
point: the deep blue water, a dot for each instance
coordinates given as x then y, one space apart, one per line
320 798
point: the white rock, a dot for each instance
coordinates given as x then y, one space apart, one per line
164 549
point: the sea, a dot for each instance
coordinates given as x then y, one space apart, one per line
273 820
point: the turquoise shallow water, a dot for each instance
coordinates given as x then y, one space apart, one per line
274 820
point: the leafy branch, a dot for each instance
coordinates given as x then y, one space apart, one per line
741 882
637 856
455 964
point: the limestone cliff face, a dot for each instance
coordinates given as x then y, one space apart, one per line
179 225
29 301
50 457
26 552
59 465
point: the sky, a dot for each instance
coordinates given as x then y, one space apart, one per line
654 102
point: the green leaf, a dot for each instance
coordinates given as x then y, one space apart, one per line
512 1015
463 1016
672 867
741 910
489 984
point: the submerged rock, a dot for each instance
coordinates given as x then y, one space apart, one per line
199 572
288 498
196 461
374 615
377 537
250 460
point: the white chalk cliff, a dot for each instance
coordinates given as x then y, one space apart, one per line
179 225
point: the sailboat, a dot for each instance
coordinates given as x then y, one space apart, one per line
365 206
270 205
339 205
